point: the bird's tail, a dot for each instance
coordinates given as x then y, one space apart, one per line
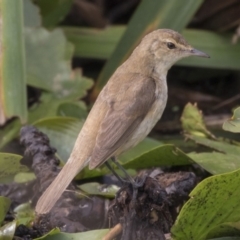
58 186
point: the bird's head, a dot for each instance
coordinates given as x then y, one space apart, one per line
166 47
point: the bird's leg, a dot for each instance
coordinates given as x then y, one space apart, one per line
114 173
129 178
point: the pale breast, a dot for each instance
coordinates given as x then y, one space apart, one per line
151 118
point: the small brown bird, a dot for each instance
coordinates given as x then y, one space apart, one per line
125 111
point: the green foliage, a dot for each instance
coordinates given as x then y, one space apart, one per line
9 166
13 100
24 214
94 188
213 203
4 206
224 158
35 56
48 56
53 11
213 208
62 132
89 235
233 124
7 231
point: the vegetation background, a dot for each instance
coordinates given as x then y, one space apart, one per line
57 55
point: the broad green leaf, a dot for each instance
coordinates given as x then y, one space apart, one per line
24 177
7 231
53 11
220 146
62 132
12 62
24 214
76 87
72 109
213 202
216 162
193 123
149 16
4 206
224 230
9 132
54 231
9 166
50 105
51 73
53 107
154 156
94 188
31 14
233 124
93 42
89 235
226 238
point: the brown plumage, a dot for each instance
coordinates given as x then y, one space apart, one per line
125 111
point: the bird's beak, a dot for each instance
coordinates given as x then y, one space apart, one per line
195 52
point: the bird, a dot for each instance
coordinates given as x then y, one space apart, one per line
126 109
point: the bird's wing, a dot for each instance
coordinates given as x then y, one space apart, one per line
127 109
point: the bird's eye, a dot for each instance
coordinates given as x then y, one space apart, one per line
171 45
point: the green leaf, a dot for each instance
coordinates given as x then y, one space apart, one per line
226 238
62 132
233 124
93 42
12 62
215 162
24 177
217 145
54 231
4 206
53 11
72 109
225 160
89 235
9 166
147 154
213 202
9 132
192 121
24 214
77 86
149 16
31 14
53 46
7 231
94 188
225 230
51 105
